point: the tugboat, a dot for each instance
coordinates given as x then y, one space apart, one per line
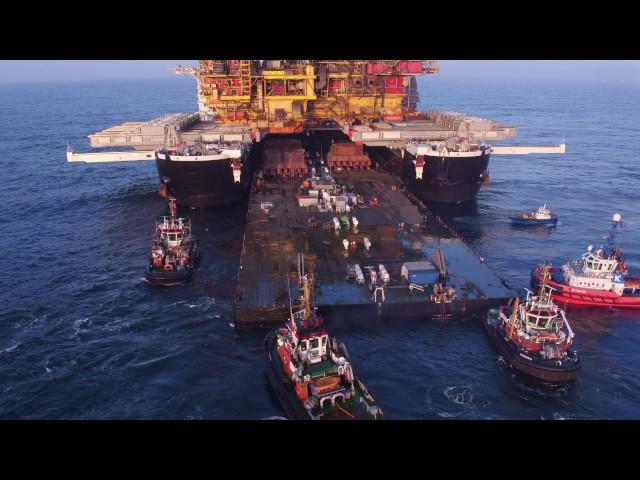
311 374
535 338
599 279
543 217
175 253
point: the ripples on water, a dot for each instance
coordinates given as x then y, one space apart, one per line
82 335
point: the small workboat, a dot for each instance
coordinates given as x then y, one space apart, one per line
175 253
542 217
311 374
600 279
534 338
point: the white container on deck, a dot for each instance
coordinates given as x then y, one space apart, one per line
359 275
384 275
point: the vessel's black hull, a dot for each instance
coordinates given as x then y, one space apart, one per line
204 183
522 222
282 386
169 279
537 370
447 179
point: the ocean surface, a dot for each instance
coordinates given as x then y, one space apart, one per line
82 336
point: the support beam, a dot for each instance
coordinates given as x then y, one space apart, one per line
524 150
109 157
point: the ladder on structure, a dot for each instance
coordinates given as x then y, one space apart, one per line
245 77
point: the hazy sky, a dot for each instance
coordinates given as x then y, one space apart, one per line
613 71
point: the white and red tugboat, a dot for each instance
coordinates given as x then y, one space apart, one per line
311 374
535 338
599 279
542 217
175 253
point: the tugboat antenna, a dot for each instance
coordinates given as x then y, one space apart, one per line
290 305
615 228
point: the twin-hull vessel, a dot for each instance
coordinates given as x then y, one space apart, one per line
599 279
450 171
542 217
175 253
311 374
534 338
204 175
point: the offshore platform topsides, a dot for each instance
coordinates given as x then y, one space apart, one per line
338 162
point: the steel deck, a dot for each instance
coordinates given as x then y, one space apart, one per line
274 237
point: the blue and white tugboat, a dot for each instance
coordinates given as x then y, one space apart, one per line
542 217
175 252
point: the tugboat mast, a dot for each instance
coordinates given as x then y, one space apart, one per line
543 282
172 208
307 289
514 316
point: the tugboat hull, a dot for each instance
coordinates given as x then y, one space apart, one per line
169 279
550 372
522 222
584 297
447 179
281 385
207 183
285 391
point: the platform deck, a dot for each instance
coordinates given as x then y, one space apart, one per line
274 237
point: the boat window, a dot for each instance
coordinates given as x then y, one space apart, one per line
314 343
324 341
303 346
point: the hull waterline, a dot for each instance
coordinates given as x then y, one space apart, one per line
545 372
447 179
204 183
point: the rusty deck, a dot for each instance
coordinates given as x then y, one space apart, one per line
277 229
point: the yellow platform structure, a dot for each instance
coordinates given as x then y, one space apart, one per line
282 94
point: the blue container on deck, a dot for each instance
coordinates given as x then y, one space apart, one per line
420 273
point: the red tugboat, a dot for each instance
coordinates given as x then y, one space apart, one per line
175 253
535 338
311 374
600 279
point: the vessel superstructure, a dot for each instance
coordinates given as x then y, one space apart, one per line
281 94
374 102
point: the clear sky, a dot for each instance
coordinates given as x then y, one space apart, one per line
611 71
